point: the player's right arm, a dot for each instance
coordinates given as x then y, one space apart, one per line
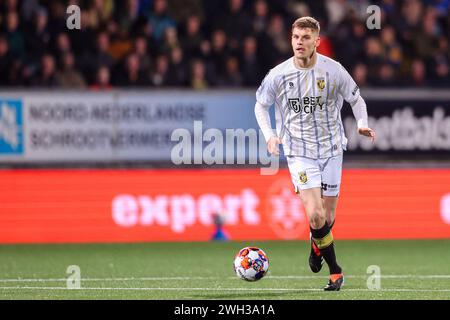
263 118
265 98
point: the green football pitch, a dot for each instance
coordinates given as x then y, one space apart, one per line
203 270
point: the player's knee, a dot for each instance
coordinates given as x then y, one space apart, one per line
317 219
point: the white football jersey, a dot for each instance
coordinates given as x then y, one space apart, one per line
308 106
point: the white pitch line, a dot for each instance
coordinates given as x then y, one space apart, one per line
113 279
217 289
399 276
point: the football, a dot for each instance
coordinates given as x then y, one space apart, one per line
251 264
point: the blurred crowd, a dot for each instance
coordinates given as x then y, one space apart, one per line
216 43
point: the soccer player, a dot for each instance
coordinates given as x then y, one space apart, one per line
308 92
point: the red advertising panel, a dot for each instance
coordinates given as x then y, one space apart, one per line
62 206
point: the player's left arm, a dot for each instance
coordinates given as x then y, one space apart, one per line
359 109
350 91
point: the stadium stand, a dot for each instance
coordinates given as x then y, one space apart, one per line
215 44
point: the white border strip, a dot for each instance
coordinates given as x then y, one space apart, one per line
399 276
218 289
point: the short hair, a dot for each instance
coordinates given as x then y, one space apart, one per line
306 22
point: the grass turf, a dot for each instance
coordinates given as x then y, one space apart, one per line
409 270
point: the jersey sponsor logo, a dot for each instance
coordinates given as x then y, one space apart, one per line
308 105
355 90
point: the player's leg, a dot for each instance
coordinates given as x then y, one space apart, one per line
315 258
331 180
312 202
330 205
307 178
320 230
305 175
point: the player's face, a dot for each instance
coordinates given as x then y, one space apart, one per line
304 42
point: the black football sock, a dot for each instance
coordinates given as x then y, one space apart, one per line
332 224
323 238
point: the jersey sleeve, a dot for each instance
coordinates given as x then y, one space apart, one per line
347 86
265 94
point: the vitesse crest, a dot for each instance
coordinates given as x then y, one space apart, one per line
303 177
294 103
321 83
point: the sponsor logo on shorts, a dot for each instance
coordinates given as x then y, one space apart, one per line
326 186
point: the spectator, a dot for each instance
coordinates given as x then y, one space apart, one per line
373 57
386 76
132 75
219 51
261 17
63 44
426 41
232 76
409 24
102 53
337 10
101 12
102 79
182 10
276 42
236 23
6 61
251 67
392 49
69 77
170 40
440 65
359 74
38 36
198 76
84 40
160 19
145 57
161 75
29 9
177 69
9 6
193 39
15 35
46 76
417 77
